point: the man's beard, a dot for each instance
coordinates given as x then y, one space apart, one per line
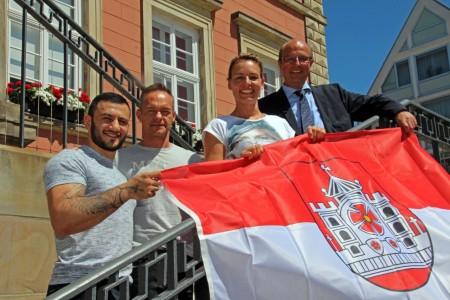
101 143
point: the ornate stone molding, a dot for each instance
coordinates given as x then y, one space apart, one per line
254 28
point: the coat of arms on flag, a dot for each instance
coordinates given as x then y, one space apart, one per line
375 236
363 215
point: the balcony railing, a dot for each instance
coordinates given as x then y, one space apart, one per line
433 131
173 260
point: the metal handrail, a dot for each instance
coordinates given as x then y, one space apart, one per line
174 258
433 130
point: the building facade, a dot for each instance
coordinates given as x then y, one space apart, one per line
186 44
417 67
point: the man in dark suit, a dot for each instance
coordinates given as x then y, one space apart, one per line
332 107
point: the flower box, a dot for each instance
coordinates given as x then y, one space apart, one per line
54 111
49 101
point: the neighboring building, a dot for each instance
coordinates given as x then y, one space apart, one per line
417 67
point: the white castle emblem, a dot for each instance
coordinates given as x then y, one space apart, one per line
371 235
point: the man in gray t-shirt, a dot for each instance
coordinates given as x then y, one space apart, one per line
155 152
153 216
89 199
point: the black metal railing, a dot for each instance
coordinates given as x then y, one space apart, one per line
174 259
433 131
94 55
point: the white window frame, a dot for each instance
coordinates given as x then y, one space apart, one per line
44 36
260 39
197 16
269 65
177 75
268 57
432 28
394 72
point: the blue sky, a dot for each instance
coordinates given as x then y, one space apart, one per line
359 36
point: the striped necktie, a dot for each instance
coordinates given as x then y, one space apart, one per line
305 111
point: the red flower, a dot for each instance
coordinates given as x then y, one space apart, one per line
36 85
193 125
56 93
85 98
13 91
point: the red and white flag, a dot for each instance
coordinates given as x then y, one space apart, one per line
363 215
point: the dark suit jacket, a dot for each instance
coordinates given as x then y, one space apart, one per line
337 107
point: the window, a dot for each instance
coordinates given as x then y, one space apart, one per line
191 19
432 64
45 53
175 56
271 75
391 82
403 73
398 76
440 106
258 38
429 27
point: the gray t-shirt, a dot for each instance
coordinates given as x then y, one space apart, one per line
81 253
155 215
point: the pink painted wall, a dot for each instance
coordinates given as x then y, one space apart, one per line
122 35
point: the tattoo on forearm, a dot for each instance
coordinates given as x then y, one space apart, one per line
134 189
90 205
111 199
